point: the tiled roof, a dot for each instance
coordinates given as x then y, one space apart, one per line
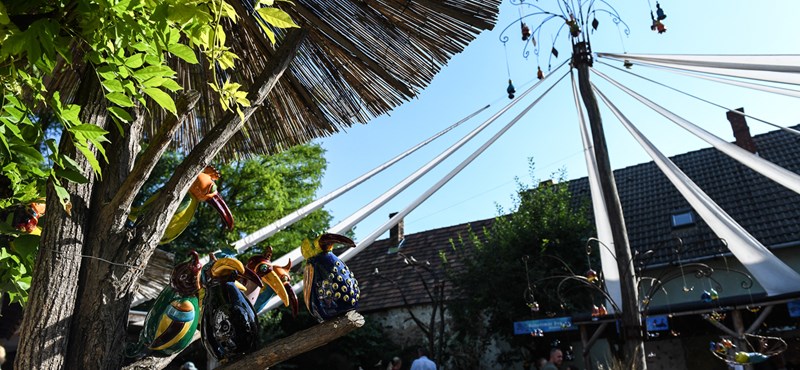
767 210
379 293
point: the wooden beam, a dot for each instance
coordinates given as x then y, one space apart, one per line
760 319
298 343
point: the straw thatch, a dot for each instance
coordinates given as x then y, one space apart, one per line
361 58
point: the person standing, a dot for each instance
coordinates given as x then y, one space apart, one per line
423 362
556 358
395 364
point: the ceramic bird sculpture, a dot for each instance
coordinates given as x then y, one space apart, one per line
276 281
203 189
229 326
330 287
26 219
172 321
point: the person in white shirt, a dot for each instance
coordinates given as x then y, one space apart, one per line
423 362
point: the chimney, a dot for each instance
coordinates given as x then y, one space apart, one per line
395 235
741 131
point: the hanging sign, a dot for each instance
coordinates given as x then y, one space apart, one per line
794 308
544 325
657 323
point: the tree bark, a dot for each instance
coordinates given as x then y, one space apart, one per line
300 342
45 329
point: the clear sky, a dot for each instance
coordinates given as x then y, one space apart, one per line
549 132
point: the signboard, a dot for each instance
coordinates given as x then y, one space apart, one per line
545 325
794 308
657 323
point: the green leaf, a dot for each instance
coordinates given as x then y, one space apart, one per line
26 245
149 72
71 175
120 99
90 157
88 132
63 195
171 85
163 99
277 18
113 85
28 152
135 61
184 52
120 113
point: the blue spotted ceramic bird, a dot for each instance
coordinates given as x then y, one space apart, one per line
229 326
276 281
330 287
172 321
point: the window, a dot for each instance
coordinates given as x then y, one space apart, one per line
683 218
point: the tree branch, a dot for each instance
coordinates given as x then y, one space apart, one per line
298 343
152 363
158 145
212 143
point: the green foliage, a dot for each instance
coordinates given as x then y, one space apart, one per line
127 45
543 223
258 191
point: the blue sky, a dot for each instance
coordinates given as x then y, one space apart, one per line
549 132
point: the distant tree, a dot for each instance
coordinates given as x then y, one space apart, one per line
542 224
258 190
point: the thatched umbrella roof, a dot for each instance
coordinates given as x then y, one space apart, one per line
360 59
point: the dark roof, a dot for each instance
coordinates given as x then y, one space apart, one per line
767 210
379 293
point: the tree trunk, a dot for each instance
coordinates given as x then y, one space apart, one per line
631 317
44 337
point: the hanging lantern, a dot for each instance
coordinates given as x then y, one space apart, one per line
539 73
510 90
661 27
574 29
526 32
534 306
591 276
714 294
705 297
554 51
660 12
595 23
627 64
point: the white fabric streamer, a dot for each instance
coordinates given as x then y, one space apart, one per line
775 276
369 239
776 173
772 73
608 258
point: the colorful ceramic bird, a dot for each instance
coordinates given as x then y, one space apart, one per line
172 321
26 218
330 287
229 326
276 281
203 189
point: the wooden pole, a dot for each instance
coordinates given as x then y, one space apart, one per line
631 318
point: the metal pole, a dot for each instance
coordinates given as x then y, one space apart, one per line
631 318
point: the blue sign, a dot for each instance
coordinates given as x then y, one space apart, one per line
794 308
545 325
657 323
